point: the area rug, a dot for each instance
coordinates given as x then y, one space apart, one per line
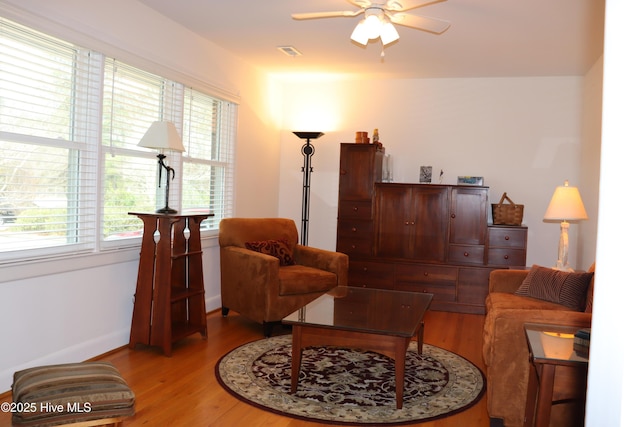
342 386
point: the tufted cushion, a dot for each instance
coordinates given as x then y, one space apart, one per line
276 248
560 287
70 393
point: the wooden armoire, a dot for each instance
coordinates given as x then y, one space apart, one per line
420 237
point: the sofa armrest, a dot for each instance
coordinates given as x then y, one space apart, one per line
335 262
505 327
506 356
506 280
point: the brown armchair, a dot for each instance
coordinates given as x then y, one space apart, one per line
256 285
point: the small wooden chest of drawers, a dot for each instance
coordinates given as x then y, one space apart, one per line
507 245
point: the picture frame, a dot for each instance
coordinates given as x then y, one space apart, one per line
471 180
426 174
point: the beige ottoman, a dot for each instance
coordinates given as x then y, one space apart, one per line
87 394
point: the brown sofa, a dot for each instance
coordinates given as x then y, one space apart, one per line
253 281
505 349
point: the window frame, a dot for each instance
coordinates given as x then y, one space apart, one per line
97 152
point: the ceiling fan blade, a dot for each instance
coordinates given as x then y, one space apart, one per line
361 3
432 25
316 15
402 5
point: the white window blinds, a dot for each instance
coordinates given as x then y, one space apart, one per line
49 113
133 99
209 135
70 166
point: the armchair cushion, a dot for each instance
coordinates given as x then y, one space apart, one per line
560 287
280 249
300 279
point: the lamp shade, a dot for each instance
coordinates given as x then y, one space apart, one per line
566 205
388 33
308 135
373 25
162 135
360 34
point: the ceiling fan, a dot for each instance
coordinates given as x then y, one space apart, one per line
379 19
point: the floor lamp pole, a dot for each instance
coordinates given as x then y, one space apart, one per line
307 151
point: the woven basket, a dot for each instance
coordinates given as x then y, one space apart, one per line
507 214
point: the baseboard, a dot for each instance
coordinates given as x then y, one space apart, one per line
80 352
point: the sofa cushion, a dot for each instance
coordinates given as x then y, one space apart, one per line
498 301
299 279
560 287
280 249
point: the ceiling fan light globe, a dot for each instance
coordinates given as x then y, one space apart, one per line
360 34
373 26
388 33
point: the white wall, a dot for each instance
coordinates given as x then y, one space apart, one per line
590 163
71 310
523 135
613 363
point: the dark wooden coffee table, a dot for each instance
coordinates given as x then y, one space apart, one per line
378 320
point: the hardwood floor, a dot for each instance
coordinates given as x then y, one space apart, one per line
182 390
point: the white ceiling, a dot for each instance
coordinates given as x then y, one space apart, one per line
487 38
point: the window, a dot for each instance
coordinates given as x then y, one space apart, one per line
208 163
133 99
70 167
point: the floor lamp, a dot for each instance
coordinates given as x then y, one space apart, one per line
565 205
307 151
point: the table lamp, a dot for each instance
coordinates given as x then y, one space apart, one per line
162 135
566 205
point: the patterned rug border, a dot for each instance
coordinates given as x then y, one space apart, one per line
413 346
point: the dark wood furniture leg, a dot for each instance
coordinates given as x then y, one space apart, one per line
532 397
546 374
540 395
391 346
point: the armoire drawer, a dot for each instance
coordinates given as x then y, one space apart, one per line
466 254
370 274
422 273
513 237
355 209
355 229
355 246
506 256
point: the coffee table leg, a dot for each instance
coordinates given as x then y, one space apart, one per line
296 356
420 337
401 354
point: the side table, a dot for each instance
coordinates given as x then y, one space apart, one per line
169 301
556 374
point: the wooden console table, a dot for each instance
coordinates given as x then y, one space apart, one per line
169 300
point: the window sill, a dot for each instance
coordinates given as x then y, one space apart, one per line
44 267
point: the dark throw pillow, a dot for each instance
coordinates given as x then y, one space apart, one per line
560 287
277 248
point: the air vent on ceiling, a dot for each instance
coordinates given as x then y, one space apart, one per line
289 51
